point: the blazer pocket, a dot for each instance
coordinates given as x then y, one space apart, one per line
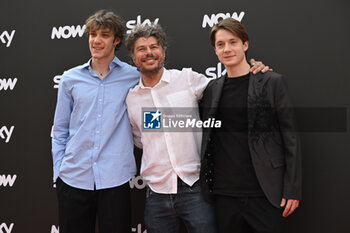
277 162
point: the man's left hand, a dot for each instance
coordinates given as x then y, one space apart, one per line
290 206
258 66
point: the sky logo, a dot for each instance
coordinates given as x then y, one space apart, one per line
6 37
132 23
152 119
6 133
215 72
56 81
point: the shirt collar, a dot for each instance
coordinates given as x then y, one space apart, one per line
165 78
115 62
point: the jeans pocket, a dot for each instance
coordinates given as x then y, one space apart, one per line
195 188
148 192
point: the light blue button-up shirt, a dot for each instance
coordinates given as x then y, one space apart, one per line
91 136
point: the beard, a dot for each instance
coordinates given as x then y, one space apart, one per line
156 69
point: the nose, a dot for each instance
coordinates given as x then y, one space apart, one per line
227 48
97 39
148 51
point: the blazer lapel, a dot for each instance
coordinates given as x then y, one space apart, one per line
254 88
212 100
216 95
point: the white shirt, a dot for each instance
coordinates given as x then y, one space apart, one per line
167 155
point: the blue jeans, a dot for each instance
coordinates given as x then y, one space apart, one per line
163 212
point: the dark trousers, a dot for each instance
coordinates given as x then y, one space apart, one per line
247 215
164 212
78 209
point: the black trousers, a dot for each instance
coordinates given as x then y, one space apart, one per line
79 209
247 215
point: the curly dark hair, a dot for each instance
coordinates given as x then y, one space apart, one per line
146 31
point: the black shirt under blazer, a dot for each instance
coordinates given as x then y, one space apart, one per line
272 137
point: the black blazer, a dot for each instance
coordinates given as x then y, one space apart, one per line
272 137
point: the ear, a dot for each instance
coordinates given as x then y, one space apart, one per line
215 51
117 41
133 59
164 53
245 45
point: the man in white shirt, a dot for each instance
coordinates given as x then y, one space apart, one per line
170 161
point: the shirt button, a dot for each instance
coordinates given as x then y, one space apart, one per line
94 163
97 131
96 147
101 84
99 115
99 100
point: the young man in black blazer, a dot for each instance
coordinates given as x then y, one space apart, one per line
252 164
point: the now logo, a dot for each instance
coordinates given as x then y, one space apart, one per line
6 229
138 229
7 84
67 32
132 23
54 229
215 18
7 180
137 182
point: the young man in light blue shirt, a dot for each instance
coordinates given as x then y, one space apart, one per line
92 143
